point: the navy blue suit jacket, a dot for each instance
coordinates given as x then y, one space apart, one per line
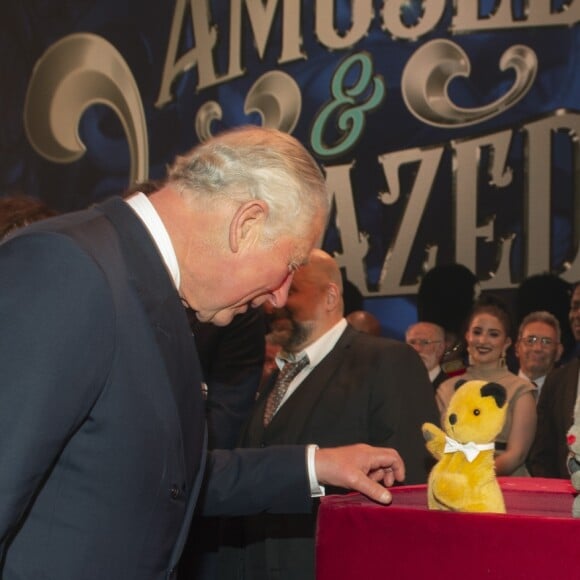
101 417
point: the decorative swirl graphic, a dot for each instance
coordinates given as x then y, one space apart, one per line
275 96
433 66
210 111
351 117
76 72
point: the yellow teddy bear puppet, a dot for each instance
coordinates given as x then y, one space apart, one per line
464 479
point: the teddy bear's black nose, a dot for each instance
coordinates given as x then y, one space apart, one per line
453 418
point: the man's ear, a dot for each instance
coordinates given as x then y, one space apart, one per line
332 295
247 224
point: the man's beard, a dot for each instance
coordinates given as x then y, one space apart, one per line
301 332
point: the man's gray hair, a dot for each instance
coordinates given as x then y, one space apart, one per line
541 316
258 163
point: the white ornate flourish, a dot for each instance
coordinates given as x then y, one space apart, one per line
275 96
432 67
77 71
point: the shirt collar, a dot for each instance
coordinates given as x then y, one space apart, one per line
434 372
318 349
145 210
539 382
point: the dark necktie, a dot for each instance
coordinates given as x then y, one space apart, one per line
283 380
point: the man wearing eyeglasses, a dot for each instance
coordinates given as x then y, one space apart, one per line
556 405
428 340
538 347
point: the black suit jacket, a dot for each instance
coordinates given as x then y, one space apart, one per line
232 358
549 451
367 389
101 415
441 376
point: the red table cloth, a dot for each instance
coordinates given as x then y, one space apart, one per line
537 538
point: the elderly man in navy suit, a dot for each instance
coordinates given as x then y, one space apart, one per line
102 429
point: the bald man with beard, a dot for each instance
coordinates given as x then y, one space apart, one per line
354 387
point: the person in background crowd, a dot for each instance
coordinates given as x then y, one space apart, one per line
352 296
556 406
364 321
488 338
18 210
538 347
428 339
102 421
350 386
446 296
547 292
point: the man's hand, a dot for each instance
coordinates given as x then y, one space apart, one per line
360 468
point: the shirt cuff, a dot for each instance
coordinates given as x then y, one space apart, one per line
316 490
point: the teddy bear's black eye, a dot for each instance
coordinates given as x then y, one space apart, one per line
476 412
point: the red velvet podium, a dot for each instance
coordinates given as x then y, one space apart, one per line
537 538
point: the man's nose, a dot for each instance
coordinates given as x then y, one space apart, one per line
279 296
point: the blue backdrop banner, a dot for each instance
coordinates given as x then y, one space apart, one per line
448 131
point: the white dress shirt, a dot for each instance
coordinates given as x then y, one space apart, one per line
434 372
141 205
315 352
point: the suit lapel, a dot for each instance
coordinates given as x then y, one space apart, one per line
252 432
168 321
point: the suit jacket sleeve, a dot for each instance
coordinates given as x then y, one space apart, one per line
401 402
250 481
55 346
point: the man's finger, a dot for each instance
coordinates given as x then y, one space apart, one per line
374 490
389 461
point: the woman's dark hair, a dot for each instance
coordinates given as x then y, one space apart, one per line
491 304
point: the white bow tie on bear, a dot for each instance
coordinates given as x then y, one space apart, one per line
470 450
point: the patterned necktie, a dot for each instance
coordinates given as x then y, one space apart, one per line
285 377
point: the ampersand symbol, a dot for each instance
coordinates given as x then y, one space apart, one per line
350 116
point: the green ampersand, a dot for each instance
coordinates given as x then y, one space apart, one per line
350 116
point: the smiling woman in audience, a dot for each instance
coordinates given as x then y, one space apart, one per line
488 338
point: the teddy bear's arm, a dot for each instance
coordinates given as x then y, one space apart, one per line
573 463
434 438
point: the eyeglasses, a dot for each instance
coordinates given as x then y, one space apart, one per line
533 339
421 341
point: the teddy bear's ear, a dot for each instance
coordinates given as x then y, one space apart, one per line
459 383
496 391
